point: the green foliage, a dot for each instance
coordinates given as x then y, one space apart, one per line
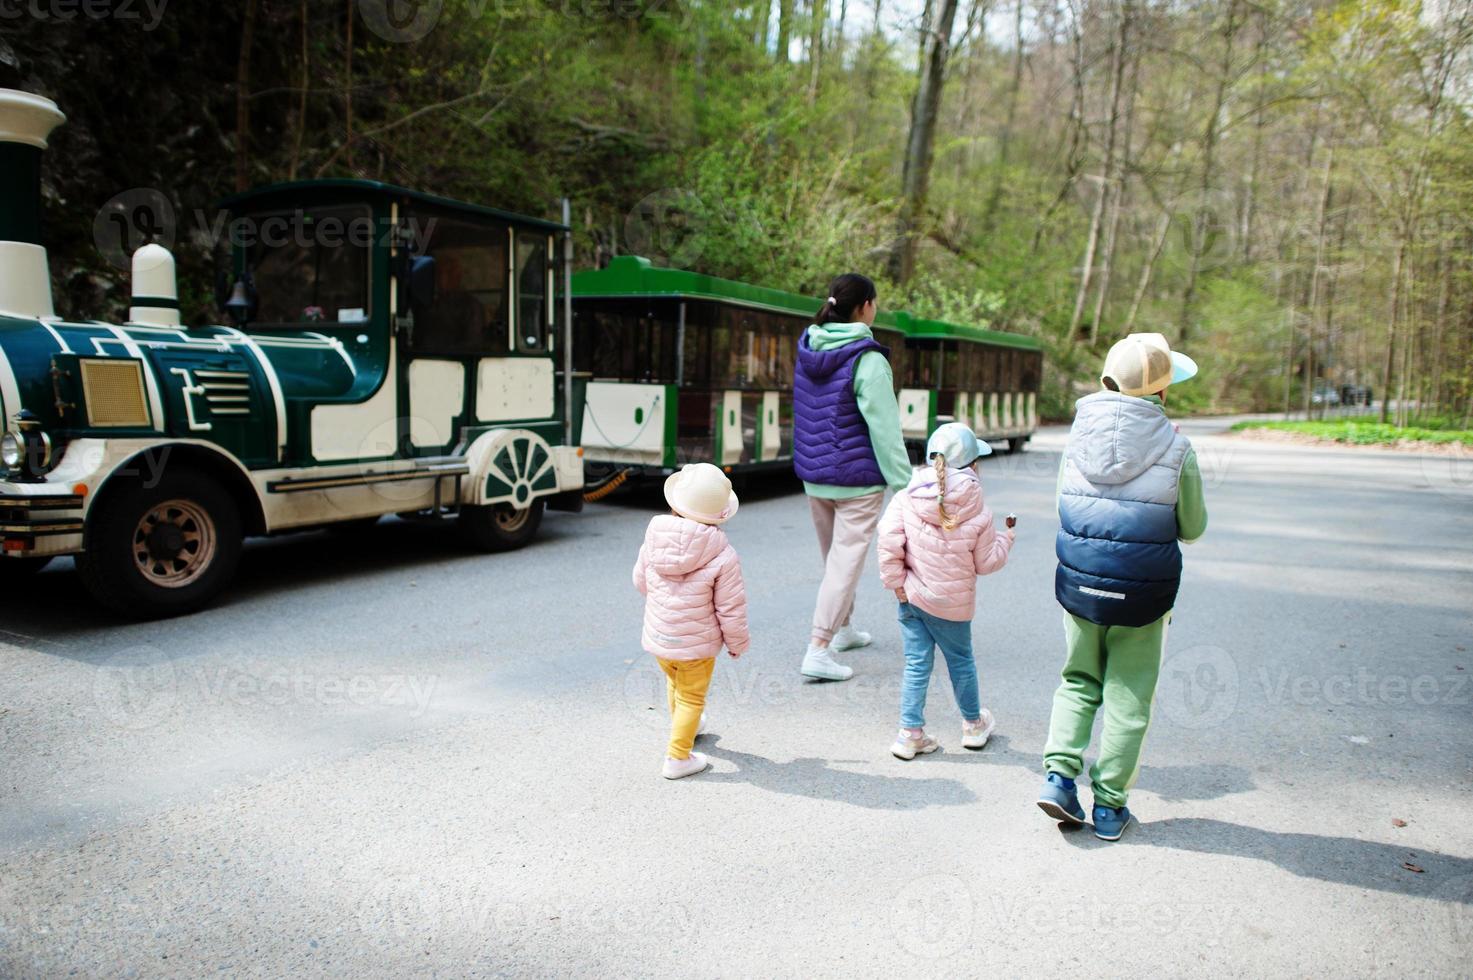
675 131
1365 432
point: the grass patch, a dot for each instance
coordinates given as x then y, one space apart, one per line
1368 431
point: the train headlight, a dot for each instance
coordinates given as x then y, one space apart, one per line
11 451
26 448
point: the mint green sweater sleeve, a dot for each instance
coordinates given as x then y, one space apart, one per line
874 390
1191 508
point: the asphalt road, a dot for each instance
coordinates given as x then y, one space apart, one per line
382 755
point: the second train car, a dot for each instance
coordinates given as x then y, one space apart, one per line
684 367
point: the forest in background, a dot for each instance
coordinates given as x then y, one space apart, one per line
1285 189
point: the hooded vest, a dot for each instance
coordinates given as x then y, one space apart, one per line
831 443
1119 561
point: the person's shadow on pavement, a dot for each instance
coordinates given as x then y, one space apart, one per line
1195 782
813 778
1345 860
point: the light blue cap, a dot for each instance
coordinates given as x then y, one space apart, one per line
958 443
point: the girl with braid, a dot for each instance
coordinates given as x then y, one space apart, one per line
936 538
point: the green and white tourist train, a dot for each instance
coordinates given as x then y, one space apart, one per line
683 367
390 352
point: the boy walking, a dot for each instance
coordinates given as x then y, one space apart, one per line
1129 490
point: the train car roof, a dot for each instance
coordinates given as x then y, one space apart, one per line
347 188
631 275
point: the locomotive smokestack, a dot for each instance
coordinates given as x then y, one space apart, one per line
26 121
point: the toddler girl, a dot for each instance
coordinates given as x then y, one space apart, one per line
695 601
936 537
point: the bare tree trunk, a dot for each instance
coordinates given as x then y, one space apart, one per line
1210 136
1109 199
815 48
1112 228
763 18
291 173
1005 139
1072 162
243 98
1163 227
784 29
1401 249
916 176
1314 282
1444 264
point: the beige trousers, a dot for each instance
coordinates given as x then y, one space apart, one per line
845 529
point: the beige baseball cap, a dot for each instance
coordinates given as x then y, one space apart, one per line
1143 364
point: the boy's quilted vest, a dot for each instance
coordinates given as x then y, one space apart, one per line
1119 561
831 443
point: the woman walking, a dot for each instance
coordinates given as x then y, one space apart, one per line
847 448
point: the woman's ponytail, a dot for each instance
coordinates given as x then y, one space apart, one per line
847 294
938 461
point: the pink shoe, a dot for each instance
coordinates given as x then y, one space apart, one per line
680 768
905 747
975 734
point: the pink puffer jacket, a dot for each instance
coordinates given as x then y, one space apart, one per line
938 568
694 597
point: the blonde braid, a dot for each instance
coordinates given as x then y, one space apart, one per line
948 523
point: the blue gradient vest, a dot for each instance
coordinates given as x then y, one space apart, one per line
831 443
1119 561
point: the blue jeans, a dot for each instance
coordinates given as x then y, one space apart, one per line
922 634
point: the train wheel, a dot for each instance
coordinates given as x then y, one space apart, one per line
501 527
1016 444
162 550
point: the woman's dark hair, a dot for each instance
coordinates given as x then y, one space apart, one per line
847 294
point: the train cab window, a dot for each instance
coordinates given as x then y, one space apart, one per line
310 265
534 293
469 314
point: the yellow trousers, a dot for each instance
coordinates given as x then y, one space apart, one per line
686 682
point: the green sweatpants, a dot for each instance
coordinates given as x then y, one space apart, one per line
1116 666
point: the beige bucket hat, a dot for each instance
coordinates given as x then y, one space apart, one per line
702 493
1143 364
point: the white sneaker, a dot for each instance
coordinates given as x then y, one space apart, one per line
819 662
680 768
905 747
976 736
849 638
701 728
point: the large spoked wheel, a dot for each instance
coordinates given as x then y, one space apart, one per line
161 550
501 527
14 571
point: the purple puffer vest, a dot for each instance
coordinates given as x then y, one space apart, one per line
831 443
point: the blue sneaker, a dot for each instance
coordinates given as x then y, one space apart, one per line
1110 821
1060 800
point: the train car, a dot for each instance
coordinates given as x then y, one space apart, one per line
390 352
984 378
685 367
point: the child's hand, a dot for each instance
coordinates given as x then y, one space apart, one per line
733 654
900 594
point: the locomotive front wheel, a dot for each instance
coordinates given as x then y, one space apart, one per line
161 550
501 527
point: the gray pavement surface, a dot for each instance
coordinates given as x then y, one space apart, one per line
382 755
